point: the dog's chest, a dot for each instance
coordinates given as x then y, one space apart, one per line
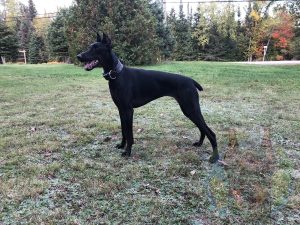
118 93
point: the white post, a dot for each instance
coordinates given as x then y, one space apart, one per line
25 56
265 51
3 59
24 53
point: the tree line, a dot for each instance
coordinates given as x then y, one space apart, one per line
142 35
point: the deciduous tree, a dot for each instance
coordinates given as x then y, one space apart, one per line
12 12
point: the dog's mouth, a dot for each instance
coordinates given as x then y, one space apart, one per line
91 65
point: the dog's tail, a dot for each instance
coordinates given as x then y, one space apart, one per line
198 86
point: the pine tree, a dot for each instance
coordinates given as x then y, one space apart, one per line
32 10
183 49
25 29
215 31
8 43
130 24
36 49
201 28
56 38
242 39
165 39
294 9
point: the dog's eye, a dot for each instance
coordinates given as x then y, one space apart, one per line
94 47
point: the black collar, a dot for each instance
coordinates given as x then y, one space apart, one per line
112 74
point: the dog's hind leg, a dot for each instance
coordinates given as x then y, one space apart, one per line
197 118
200 142
191 109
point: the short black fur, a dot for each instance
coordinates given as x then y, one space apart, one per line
131 88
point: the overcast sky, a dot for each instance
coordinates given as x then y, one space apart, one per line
49 5
52 5
193 4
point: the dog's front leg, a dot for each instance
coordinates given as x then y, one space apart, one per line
123 142
126 122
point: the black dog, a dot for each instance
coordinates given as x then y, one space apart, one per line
131 88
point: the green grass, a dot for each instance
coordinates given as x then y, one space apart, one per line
58 163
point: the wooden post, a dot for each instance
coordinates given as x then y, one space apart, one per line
3 59
265 51
24 53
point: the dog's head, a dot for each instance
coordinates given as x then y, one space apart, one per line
98 54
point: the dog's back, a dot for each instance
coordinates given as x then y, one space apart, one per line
147 85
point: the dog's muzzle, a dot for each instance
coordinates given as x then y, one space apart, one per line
90 64
79 57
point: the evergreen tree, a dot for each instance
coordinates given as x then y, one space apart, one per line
215 31
130 24
227 28
295 47
56 38
183 49
8 43
242 39
165 39
36 49
201 28
32 10
25 29
41 26
33 53
294 9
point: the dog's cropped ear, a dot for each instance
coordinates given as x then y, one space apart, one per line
98 37
106 40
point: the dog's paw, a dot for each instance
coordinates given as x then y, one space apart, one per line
197 144
125 154
120 146
214 158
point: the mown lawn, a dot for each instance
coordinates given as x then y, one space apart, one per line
58 163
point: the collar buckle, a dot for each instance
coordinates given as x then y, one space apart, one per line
118 69
110 75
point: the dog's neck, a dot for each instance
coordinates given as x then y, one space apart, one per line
114 65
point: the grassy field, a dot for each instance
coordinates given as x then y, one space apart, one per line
58 163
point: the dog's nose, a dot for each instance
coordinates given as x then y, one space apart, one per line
79 57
